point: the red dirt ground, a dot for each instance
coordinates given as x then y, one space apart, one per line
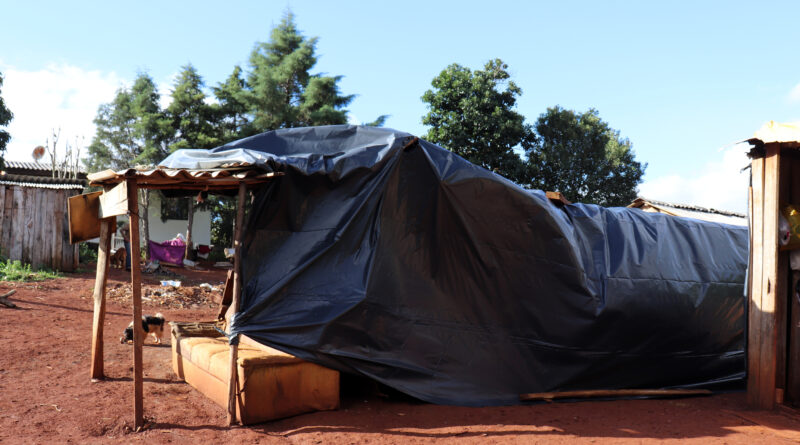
46 395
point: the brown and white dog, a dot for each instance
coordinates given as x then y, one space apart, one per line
151 324
118 258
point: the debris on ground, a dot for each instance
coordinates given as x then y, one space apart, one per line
170 283
156 268
192 297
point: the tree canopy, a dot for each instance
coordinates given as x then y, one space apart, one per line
581 156
231 108
281 92
5 119
132 129
472 114
192 120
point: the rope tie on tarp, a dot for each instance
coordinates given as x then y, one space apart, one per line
233 339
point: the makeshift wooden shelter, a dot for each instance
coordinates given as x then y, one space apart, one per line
95 214
773 353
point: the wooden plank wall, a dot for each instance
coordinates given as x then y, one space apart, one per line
792 329
33 227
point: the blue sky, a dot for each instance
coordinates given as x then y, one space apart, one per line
679 79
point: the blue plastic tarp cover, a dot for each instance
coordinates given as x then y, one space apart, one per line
380 254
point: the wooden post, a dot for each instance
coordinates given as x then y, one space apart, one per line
237 292
762 321
107 227
189 254
136 287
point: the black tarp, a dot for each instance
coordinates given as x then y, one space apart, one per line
387 256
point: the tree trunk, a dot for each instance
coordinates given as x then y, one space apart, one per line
145 218
189 244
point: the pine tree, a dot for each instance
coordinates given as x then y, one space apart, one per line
132 130
231 108
192 119
282 93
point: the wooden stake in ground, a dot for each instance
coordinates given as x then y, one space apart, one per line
5 301
237 291
107 228
136 287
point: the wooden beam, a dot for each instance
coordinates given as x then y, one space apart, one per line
769 291
782 283
136 287
107 227
756 272
237 292
557 198
595 393
763 334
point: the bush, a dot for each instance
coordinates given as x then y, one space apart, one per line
88 252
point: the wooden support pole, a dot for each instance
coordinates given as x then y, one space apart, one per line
763 323
237 292
596 393
756 269
136 288
107 227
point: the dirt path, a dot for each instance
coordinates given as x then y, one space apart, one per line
46 396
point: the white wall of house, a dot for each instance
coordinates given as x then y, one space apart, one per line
164 230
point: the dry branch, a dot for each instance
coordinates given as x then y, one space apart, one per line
5 301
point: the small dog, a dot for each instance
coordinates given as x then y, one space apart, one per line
151 324
118 258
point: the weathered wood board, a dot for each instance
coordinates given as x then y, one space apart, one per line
114 202
84 223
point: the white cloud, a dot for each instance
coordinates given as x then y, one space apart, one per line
794 95
56 96
165 87
352 119
720 185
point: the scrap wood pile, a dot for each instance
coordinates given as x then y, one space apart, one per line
191 297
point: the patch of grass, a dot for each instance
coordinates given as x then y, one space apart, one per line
16 271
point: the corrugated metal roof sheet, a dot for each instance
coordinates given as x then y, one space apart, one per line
27 165
778 132
172 178
38 166
689 211
44 182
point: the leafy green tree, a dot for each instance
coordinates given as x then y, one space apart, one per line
582 157
5 119
472 114
282 92
191 117
231 108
